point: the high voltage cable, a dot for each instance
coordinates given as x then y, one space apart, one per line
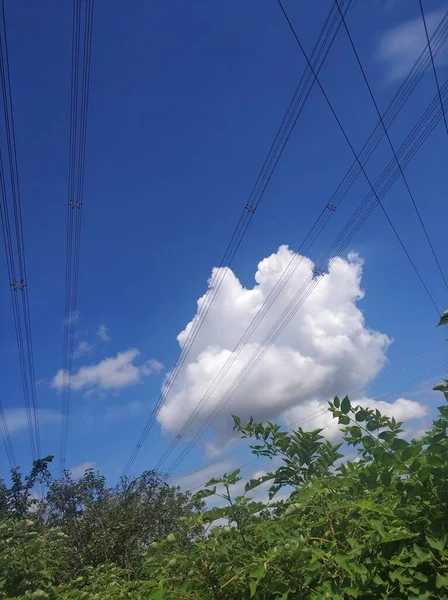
15 250
356 394
321 412
373 199
434 70
82 29
299 43
6 438
397 103
386 133
403 94
304 248
319 54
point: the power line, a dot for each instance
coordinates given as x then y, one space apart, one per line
434 70
320 413
405 91
356 394
403 94
413 141
302 49
15 250
6 438
373 199
82 31
386 133
319 54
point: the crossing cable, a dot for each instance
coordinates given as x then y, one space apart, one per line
15 250
319 54
386 396
396 105
386 133
434 70
82 33
302 49
373 199
403 94
6 438
321 412
356 394
296 259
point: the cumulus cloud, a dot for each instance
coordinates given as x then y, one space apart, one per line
115 372
400 47
314 414
325 350
79 471
16 418
103 333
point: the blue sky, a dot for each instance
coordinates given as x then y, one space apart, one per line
185 100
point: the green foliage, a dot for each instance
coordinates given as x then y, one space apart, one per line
317 527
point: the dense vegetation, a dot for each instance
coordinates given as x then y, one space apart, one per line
375 527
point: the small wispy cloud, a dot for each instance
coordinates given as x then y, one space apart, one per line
103 333
16 418
115 372
71 318
82 349
154 366
400 47
79 471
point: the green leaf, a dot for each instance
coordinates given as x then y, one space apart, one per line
440 387
423 555
372 425
443 319
436 544
399 444
253 584
345 405
336 402
411 451
386 477
204 494
360 415
441 581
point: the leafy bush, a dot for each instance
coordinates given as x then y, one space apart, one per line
318 526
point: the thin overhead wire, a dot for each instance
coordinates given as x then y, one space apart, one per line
13 237
388 174
403 94
373 199
386 133
82 33
6 438
434 70
322 412
318 57
397 235
354 395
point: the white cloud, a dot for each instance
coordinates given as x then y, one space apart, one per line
103 333
79 471
154 366
71 318
315 414
325 350
16 418
83 348
111 373
400 47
